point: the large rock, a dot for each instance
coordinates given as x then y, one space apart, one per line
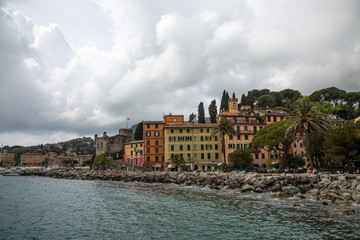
247 188
290 190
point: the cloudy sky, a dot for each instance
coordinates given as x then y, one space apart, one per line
75 68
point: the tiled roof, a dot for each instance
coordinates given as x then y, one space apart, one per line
192 125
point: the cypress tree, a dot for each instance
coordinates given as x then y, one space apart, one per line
222 100
192 117
226 105
213 111
139 131
233 95
201 113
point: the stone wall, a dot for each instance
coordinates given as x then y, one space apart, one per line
114 144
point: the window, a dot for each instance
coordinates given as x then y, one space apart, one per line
195 147
172 147
194 130
172 155
255 129
157 134
216 155
246 128
172 139
188 147
238 128
216 138
148 150
201 130
156 142
147 125
262 155
231 146
301 145
256 156
207 138
281 118
231 137
195 155
156 125
209 155
148 159
238 146
188 138
207 130
238 137
202 147
131 153
260 127
268 118
147 142
202 138
156 150
246 137
274 119
202 155
195 138
172 130
181 147
187 130
180 130
181 155
208 147
156 158
246 146
180 139
148 134
294 145
188 156
131 146
216 147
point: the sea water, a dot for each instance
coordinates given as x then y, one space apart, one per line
46 208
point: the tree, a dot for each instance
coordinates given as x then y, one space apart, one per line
233 96
241 159
273 137
243 100
201 113
342 144
213 111
223 102
223 128
289 96
139 131
177 161
192 117
306 119
265 101
331 94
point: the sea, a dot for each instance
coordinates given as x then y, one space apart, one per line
47 208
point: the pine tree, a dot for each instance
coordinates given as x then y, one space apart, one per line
139 131
192 117
201 113
213 111
233 95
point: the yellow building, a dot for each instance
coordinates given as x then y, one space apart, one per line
7 159
194 143
134 153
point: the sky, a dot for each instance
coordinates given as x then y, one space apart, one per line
70 69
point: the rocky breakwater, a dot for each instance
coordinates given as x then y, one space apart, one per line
338 189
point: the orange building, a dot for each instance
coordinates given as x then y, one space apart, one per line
153 135
7 159
246 124
32 159
134 153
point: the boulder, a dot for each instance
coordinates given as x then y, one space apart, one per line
247 188
314 192
290 190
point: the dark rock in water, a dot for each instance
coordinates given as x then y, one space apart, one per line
258 190
304 188
324 203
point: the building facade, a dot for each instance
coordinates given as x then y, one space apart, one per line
32 159
115 145
246 124
193 142
7 159
134 153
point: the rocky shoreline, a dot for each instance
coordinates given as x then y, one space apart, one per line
342 190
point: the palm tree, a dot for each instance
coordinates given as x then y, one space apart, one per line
223 128
306 119
177 161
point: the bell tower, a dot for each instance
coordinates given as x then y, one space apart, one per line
233 106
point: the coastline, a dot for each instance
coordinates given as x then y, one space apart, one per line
342 190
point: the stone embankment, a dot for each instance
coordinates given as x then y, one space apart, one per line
339 189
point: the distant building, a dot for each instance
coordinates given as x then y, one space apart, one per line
83 158
32 159
134 153
114 145
7 159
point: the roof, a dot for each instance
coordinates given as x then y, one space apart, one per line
273 112
192 125
134 142
154 122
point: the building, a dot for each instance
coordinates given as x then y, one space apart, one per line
134 154
153 135
194 143
246 123
83 159
272 116
7 159
114 145
32 159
